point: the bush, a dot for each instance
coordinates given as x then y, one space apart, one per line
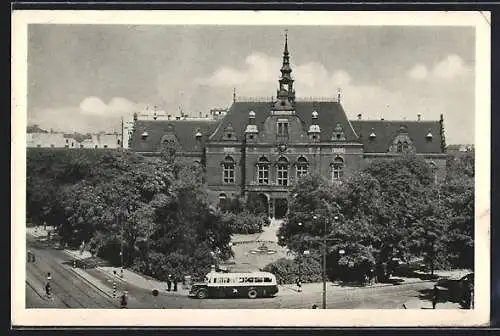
247 223
288 271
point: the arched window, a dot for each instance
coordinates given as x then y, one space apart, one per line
301 167
399 147
282 172
228 170
337 169
405 146
263 171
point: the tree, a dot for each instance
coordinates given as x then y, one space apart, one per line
390 209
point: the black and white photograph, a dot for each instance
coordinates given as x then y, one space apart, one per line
250 168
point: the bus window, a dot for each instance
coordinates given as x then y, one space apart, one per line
241 280
259 279
215 280
267 279
249 279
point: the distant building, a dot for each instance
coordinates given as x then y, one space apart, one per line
459 149
61 140
263 146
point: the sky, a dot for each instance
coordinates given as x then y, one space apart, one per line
84 78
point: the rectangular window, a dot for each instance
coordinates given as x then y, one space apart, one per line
337 172
259 279
267 280
282 127
263 174
282 175
228 173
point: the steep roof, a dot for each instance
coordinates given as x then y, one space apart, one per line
330 113
387 130
184 130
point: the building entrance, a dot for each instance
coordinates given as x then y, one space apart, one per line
280 208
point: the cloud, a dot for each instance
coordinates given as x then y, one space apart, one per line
260 72
117 106
91 115
418 72
452 67
398 99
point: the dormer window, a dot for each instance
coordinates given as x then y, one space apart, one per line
429 136
338 133
229 133
373 135
144 135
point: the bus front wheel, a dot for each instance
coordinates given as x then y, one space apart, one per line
252 294
202 294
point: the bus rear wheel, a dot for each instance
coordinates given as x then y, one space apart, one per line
252 294
202 294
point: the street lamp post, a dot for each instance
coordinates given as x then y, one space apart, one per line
325 228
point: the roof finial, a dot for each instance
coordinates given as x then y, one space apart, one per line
234 95
338 95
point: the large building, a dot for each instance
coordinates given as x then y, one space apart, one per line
263 147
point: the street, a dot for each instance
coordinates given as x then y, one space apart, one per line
71 290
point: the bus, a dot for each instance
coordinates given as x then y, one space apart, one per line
251 285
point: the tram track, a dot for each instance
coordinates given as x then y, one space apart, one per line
67 286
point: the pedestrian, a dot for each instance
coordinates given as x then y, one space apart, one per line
49 277
123 302
175 280
169 282
435 295
314 306
371 275
299 285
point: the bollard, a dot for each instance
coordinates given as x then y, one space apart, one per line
114 289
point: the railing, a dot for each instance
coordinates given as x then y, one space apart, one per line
269 99
318 99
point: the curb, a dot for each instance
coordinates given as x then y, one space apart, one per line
354 288
92 284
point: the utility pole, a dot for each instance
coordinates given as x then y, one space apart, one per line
324 265
121 142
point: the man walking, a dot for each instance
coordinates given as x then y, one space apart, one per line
169 282
435 295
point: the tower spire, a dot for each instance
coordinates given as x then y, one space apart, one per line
286 93
285 52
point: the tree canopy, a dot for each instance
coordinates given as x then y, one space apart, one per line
391 209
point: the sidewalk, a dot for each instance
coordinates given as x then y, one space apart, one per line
129 277
317 287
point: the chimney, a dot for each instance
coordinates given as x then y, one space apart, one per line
382 119
168 117
359 116
418 117
177 118
200 115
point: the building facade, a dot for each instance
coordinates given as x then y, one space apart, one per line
263 147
